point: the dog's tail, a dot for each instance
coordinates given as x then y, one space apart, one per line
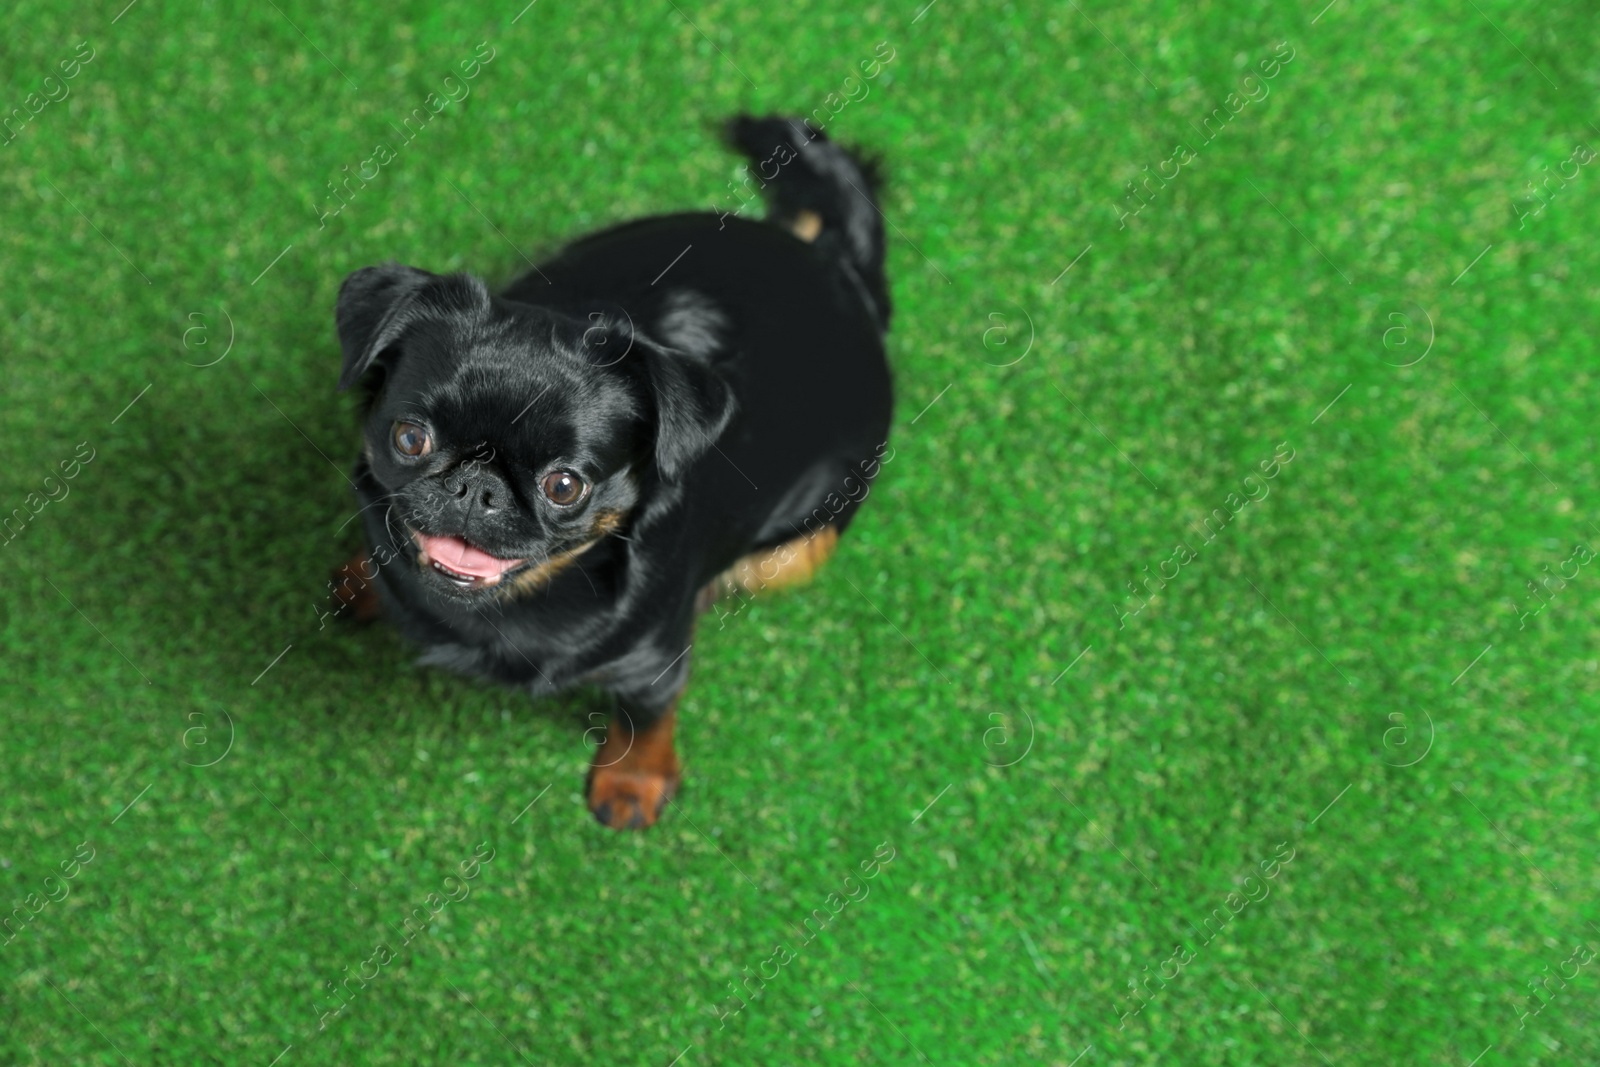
823 193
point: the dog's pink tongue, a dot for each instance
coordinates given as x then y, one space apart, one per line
463 558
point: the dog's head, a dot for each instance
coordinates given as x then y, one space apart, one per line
509 437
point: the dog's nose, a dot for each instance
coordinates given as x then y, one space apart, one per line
478 489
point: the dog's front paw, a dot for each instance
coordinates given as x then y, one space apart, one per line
629 798
635 772
354 589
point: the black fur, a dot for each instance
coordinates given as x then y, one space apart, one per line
714 379
811 173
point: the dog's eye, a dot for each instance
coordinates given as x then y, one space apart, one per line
563 488
411 439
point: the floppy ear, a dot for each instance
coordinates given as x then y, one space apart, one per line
693 406
374 308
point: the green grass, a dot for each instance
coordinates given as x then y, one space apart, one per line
1370 592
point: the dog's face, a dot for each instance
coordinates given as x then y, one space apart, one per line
506 437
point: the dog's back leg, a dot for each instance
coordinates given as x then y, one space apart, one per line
792 563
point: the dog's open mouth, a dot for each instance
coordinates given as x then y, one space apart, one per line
467 566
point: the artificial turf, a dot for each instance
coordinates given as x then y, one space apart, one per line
1345 667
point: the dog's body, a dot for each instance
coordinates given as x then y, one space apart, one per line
715 388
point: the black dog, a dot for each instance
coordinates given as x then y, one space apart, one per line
558 479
